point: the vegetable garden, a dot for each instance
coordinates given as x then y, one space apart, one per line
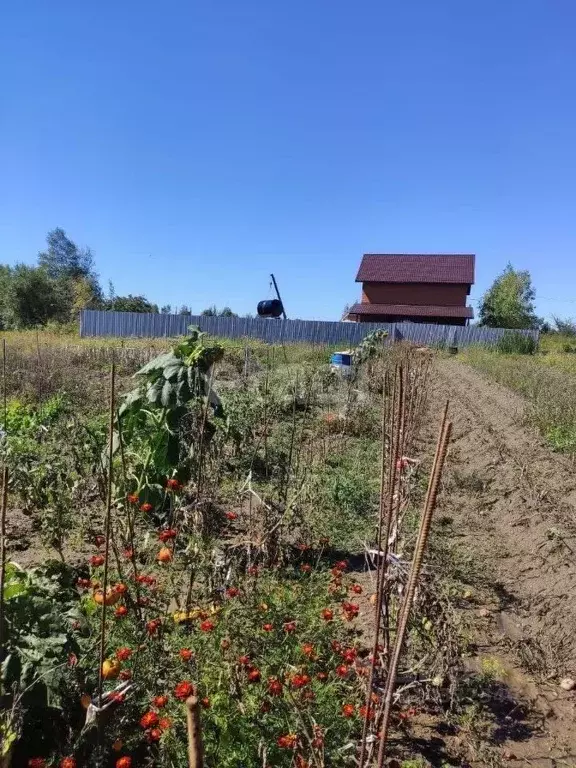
233 530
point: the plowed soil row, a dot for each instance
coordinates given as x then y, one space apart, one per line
513 506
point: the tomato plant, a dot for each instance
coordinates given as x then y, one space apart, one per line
217 579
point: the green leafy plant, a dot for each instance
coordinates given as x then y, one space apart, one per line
40 607
152 417
44 469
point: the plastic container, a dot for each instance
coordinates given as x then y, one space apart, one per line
270 308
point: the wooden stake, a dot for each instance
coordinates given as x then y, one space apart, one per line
107 531
195 750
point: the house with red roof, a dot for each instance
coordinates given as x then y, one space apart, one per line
419 288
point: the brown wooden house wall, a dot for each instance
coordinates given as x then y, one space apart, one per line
414 293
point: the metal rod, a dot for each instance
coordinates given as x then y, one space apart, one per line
392 478
278 294
434 468
425 523
378 606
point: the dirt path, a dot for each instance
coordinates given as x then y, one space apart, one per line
513 506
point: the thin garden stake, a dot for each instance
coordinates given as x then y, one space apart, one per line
38 355
300 442
195 749
434 468
400 450
107 531
3 555
412 582
200 478
435 474
393 472
386 512
131 517
292 436
265 408
378 567
385 416
404 392
425 523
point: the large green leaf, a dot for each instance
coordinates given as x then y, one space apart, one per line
14 589
10 670
159 364
130 400
168 394
172 371
154 390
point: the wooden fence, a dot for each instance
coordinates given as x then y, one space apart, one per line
320 332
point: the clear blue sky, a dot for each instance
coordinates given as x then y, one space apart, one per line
196 146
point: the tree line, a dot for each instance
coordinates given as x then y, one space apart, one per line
63 282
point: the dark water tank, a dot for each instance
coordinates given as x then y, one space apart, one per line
270 308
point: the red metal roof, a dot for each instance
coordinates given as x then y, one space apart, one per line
411 310
416 268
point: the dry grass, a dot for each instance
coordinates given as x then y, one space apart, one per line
35 342
41 364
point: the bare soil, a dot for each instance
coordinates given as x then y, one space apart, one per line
513 506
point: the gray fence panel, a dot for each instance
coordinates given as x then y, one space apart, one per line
143 325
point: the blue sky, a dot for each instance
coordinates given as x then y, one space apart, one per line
197 146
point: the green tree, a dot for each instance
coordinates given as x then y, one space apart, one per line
33 298
130 304
63 258
73 268
213 311
5 278
83 296
509 303
184 310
